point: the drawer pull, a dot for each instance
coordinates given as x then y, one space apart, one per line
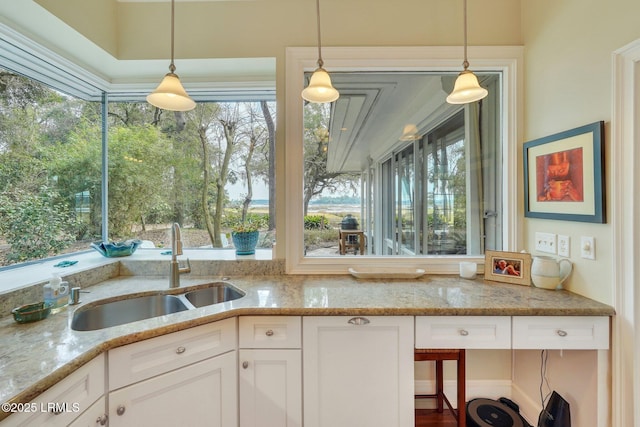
359 321
56 411
463 332
245 364
120 410
102 419
269 333
180 350
561 333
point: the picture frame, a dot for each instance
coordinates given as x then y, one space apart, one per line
564 175
508 267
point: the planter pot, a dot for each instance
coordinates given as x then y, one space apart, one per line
245 242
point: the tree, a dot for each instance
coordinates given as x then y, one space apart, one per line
317 178
272 162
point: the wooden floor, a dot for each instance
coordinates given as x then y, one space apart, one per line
431 418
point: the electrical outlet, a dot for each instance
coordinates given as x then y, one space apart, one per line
546 242
564 243
588 247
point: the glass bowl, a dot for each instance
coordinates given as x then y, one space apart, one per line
116 249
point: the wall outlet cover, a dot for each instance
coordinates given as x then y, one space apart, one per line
564 245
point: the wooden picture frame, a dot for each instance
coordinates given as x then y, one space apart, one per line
563 175
508 267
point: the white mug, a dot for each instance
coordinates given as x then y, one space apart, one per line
468 270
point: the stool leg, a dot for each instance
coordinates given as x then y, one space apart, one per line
462 395
439 385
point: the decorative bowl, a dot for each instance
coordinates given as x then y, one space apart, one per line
116 249
31 312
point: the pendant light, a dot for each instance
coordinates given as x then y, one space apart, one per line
466 88
320 89
170 95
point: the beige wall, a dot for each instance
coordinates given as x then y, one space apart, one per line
568 81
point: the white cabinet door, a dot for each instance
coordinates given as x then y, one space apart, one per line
358 372
204 393
270 388
66 400
95 416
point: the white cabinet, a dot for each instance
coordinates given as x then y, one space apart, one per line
561 332
144 359
270 371
358 371
481 332
184 378
200 394
65 401
95 416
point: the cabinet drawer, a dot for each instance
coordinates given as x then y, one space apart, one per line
144 359
463 332
270 332
70 397
561 332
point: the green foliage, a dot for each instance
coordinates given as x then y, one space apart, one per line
320 238
316 222
35 225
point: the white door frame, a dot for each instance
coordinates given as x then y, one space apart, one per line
625 211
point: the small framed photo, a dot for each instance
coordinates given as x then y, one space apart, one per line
508 267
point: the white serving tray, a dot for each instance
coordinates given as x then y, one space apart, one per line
387 273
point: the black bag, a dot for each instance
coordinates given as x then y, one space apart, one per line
503 412
556 413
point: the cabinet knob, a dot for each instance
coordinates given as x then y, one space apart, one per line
359 321
120 410
269 333
102 419
180 350
463 332
561 333
245 364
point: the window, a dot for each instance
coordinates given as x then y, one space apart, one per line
207 169
448 188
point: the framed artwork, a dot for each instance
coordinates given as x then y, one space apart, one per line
563 175
508 267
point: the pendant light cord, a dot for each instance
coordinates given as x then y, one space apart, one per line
320 61
465 64
172 67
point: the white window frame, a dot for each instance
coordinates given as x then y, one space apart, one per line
506 60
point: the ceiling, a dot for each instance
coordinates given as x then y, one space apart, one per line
374 109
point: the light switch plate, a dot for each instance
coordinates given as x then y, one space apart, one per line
588 247
546 242
564 245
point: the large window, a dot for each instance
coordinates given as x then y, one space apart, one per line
208 170
433 181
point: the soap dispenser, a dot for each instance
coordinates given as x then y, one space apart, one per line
56 293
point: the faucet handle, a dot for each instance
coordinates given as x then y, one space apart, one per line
186 269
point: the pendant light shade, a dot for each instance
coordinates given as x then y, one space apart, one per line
320 89
170 95
466 88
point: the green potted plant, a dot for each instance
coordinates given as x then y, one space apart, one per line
245 238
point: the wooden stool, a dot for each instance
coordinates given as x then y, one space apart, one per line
439 356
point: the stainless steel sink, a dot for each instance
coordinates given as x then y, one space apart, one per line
114 313
215 293
119 312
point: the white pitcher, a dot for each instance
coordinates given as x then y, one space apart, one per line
548 273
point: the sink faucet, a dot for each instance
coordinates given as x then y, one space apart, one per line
176 249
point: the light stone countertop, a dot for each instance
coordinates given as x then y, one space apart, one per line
35 356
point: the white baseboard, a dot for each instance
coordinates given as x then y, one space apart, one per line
529 407
490 389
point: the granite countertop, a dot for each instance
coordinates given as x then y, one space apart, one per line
35 356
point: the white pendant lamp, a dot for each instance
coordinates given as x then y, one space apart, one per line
170 95
320 89
466 88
